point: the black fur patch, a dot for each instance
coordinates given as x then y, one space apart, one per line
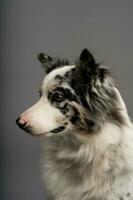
66 92
75 116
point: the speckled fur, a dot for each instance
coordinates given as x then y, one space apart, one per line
95 167
92 158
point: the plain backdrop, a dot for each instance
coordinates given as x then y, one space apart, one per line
61 28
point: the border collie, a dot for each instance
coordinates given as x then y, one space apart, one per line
88 136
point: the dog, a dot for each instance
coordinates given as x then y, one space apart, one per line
88 135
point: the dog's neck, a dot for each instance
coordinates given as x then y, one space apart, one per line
84 149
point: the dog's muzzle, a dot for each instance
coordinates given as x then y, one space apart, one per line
22 123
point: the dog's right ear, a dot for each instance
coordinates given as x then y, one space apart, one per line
43 58
46 61
50 63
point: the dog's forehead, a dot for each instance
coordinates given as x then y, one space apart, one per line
50 79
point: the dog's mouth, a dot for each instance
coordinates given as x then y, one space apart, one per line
54 131
29 129
58 130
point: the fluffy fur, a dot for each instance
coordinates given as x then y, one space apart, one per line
88 136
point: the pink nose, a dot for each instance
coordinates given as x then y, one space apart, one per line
22 122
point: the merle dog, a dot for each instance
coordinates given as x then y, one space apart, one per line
88 136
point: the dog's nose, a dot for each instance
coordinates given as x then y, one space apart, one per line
21 122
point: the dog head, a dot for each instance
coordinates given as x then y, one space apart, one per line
73 98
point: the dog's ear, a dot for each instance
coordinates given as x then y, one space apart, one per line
49 63
46 61
87 58
43 58
86 66
87 62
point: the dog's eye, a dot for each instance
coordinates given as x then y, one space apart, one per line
58 97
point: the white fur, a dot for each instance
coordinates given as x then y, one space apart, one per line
43 117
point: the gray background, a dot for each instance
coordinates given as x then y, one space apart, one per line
59 28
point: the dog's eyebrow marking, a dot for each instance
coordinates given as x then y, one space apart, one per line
67 93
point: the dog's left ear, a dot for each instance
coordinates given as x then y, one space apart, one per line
87 58
49 63
87 62
85 67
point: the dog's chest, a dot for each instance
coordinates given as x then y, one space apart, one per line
66 180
